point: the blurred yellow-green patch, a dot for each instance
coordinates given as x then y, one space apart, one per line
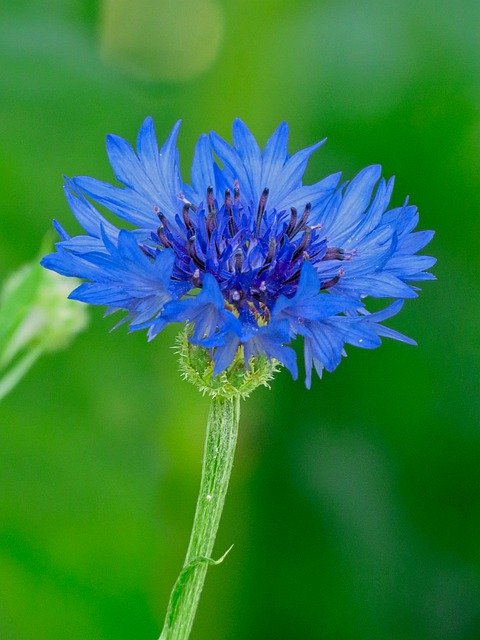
156 41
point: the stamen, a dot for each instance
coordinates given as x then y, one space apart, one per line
211 220
307 236
293 278
333 281
186 218
301 223
192 252
147 251
272 247
236 295
335 253
163 237
185 201
238 261
161 216
261 209
211 223
303 220
210 200
292 223
236 192
232 227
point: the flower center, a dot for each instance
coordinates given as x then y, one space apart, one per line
255 253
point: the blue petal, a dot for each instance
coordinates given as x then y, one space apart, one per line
413 242
202 173
125 203
308 304
290 177
64 236
372 216
126 165
274 155
86 214
249 151
271 341
225 353
316 194
206 310
120 276
381 285
147 149
232 161
355 201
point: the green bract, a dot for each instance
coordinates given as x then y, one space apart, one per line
196 366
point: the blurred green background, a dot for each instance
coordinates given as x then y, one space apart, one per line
354 507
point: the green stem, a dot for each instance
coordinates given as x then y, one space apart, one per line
220 441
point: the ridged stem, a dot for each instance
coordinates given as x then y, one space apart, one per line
220 441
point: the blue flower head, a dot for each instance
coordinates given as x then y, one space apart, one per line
245 252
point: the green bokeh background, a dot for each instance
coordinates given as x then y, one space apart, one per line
354 507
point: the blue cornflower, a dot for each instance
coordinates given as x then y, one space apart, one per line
245 252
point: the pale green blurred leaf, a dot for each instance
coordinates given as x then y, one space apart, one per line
16 296
35 316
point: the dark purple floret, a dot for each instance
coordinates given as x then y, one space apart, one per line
254 253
